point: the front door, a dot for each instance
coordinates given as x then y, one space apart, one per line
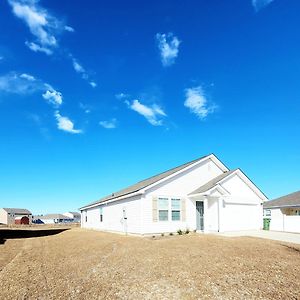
199 215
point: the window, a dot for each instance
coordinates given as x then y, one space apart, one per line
85 216
175 206
163 209
101 214
267 212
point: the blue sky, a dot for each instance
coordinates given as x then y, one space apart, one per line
97 95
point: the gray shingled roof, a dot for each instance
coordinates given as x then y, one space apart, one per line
19 211
285 201
144 183
54 216
209 185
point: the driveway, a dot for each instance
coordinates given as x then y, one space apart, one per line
265 234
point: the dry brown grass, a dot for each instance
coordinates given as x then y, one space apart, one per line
82 264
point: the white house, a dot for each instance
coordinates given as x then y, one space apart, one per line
73 215
55 219
201 195
284 213
11 216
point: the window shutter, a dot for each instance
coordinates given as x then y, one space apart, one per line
154 209
183 210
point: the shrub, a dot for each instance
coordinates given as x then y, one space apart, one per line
171 233
187 231
162 234
179 231
153 236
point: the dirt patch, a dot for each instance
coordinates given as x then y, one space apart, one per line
83 264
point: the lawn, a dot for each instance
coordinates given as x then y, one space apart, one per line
83 264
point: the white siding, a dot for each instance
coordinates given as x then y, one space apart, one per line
282 222
179 186
242 210
3 216
113 216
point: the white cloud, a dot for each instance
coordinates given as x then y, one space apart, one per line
122 96
37 48
153 113
81 70
197 102
28 77
259 4
53 97
168 45
20 83
24 83
77 67
65 124
69 28
93 84
85 108
109 124
42 25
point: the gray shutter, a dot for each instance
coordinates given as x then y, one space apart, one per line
183 210
154 209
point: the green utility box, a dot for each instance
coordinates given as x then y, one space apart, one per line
267 224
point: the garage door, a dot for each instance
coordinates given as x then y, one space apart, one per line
241 217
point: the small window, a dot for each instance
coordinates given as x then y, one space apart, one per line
101 214
163 209
267 212
175 205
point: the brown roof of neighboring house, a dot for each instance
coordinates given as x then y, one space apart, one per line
144 183
289 200
209 185
18 211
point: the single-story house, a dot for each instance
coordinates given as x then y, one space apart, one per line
11 216
284 213
202 195
73 215
55 219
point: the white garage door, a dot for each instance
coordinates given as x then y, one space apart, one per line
241 217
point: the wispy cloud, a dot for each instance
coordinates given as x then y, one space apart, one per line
197 102
43 26
168 45
260 4
16 83
65 124
109 124
85 108
122 96
154 114
46 30
81 70
24 83
37 48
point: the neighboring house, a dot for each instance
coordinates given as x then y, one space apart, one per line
11 216
284 213
55 219
73 215
37 219
201 195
